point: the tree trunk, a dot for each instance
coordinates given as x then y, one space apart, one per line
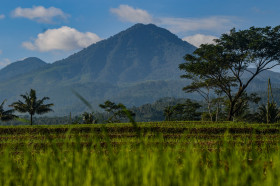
209 111
217 112
231 110
31 119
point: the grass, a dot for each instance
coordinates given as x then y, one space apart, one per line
166 153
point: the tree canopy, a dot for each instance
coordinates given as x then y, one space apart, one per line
234 55
32 105
6 115
116 112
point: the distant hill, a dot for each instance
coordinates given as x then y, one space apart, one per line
21 67
136 66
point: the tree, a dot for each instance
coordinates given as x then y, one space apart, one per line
203 89
88 118
32 105
115 111
183 111
168 112
190 111
226 62
242 105
6 115
268 113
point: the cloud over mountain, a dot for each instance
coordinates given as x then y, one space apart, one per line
213 23
40 14
199 39
64 38
133 15
4 62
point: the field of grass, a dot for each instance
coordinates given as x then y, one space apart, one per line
156 153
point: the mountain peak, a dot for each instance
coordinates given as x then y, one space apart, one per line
141 25
139 53
21 67
32 59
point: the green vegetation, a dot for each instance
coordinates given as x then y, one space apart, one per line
6 115
186 111
115 112
88 118
32 105
166 153
221 66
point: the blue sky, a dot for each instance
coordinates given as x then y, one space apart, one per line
54 29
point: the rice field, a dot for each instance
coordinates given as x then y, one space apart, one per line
155 153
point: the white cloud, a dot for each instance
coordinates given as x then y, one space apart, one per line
4 62
40 13
199 39
2 16
64 38
133 15
215 23
176 25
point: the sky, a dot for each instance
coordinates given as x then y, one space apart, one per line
54 29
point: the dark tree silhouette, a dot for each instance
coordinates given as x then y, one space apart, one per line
6 115
88 118
32 105
168 112
116 112
235 53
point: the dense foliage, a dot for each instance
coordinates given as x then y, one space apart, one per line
222 65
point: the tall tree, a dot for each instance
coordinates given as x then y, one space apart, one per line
6 115
226 61
203 88
168 112
32 105
116 112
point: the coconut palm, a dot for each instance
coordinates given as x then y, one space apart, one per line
6 115
32 105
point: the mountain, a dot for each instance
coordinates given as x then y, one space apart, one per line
136 66
140 53
21 67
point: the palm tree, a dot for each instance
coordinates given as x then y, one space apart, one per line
268 113
6 115
32 105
